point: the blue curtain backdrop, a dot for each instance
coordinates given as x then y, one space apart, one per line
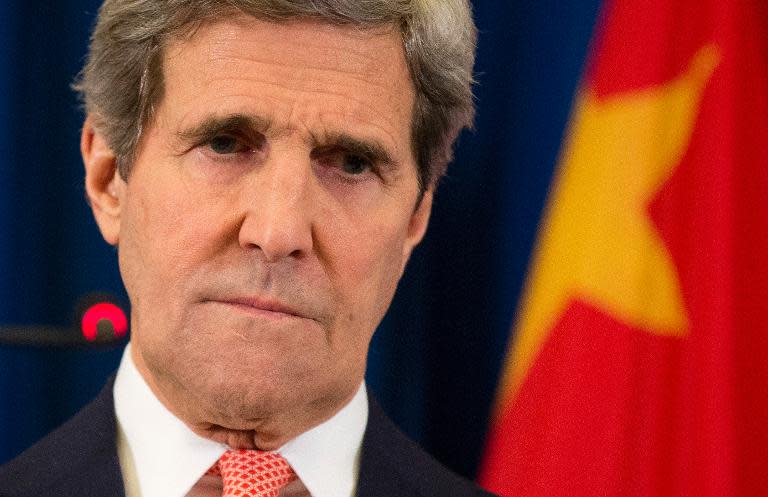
435 359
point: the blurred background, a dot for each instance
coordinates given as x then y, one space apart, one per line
435 360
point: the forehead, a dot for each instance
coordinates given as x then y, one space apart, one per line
301 73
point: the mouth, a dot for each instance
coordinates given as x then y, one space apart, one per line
257 307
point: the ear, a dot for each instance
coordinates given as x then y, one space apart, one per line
417 226
103 185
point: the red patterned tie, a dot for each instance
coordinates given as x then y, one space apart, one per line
253 473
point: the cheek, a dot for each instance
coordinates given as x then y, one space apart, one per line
367 271
163 238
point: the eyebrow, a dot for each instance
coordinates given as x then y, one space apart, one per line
252 124
234 123
371 149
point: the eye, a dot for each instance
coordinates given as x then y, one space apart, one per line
355 164
343 164
227 144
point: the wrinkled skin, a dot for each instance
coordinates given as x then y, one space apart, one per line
266 221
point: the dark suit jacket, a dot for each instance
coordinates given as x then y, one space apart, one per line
80 459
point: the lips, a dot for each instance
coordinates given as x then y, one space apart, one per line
260 307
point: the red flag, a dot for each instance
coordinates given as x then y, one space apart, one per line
639 365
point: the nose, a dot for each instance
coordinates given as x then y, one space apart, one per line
278 217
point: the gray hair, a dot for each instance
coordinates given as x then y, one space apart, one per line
122 81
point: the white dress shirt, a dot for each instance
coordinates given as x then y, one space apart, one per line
161 457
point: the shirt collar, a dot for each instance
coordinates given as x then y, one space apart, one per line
327 457
170 458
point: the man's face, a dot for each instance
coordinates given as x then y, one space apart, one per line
267 219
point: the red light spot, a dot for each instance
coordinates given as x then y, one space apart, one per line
107 311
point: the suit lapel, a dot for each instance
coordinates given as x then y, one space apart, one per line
380 472
77 459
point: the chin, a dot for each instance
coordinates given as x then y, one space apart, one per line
282 380
241 395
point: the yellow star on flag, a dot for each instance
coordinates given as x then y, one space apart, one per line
598 244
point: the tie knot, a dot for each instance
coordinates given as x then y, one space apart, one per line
253 473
